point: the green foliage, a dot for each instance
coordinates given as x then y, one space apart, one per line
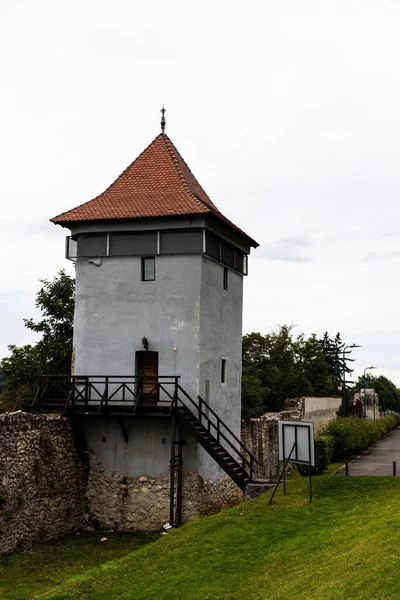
388 393
21 370
352 409
353 435
315 366
52 354
333 352
278 366
252 393
56 302
323 447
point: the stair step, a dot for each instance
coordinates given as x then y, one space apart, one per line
225 457
237 472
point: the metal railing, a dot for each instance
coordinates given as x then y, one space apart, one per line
131 393
218 429
104 391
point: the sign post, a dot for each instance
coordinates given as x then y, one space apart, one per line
296 444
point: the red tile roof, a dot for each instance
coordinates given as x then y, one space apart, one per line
157 184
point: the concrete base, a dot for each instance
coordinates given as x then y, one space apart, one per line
257 488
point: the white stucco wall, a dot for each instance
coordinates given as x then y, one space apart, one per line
220 337
188 318
147 451
115 309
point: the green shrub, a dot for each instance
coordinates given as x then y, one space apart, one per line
342 434
323 452
352 435
323 446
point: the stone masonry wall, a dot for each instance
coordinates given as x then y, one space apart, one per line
42 480
261 438
131 504
371 403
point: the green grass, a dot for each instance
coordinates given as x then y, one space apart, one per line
24 575
345 545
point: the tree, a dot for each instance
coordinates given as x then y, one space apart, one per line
333 351
270 360
317 369
252 393
52 353
388 393
278 366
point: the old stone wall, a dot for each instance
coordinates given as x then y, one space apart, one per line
142 503
261 437
321 410
371 403
42 480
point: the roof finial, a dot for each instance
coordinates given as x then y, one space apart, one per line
163 121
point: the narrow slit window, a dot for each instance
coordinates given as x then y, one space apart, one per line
223 370
148 268
225 278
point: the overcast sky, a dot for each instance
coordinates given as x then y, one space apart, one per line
287 112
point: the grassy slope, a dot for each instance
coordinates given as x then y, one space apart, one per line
344 545
25 574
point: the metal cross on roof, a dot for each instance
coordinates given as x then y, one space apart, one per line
163 121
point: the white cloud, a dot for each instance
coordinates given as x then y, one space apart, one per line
288 114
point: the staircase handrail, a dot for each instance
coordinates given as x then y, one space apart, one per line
238 440
248 461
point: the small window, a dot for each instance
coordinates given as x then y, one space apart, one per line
223 370
148 268
227 254
225 278
213 246
129 244
71 248
92 245
181 242
245 265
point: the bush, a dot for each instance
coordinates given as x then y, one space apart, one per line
352 435
323 452
323 446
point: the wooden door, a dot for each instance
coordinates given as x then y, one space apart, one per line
147 374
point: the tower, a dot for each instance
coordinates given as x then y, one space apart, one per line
157 336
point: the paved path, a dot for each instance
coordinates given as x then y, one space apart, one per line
380 460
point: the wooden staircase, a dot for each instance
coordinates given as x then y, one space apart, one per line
124 397
215 449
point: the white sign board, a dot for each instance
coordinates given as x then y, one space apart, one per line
296 439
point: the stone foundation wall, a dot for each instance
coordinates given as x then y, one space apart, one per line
42 480
261 438
131 504
47 490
